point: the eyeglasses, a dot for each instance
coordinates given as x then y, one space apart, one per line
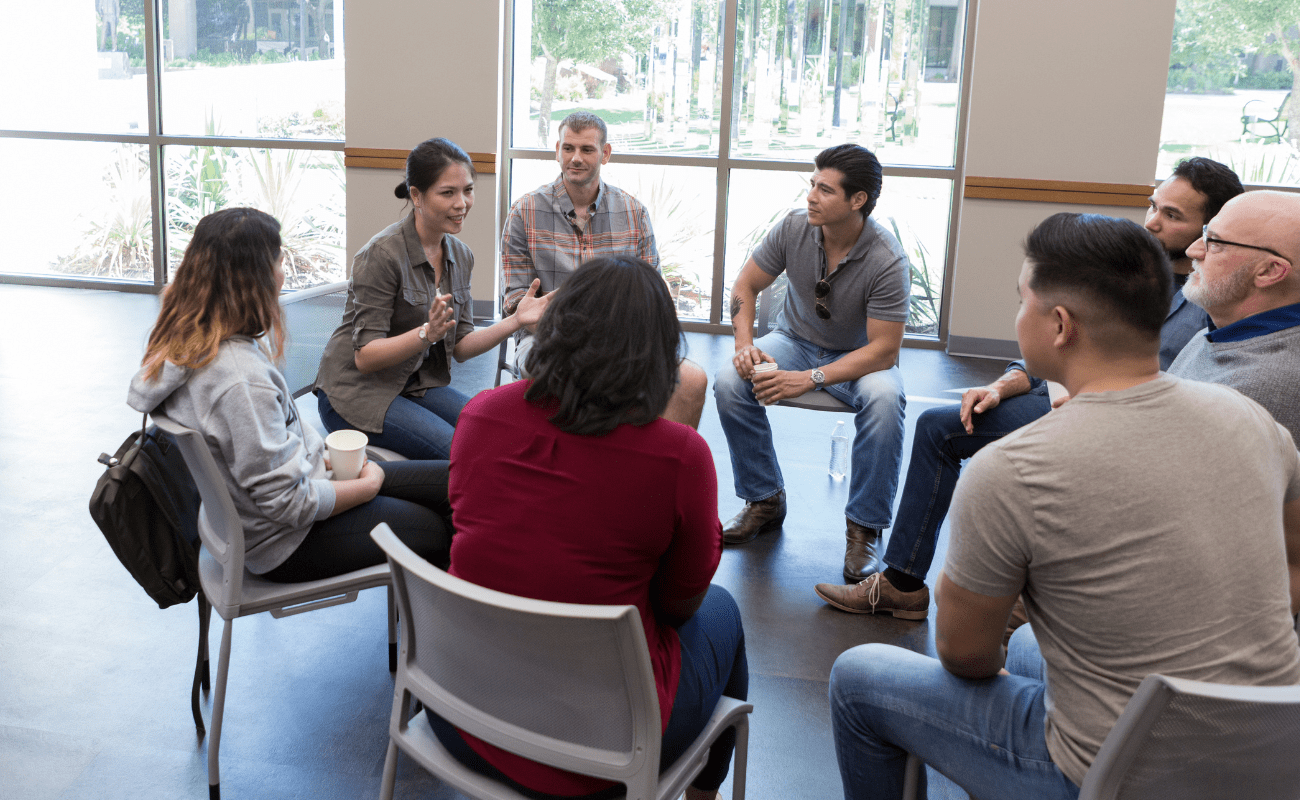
821 291
1214 245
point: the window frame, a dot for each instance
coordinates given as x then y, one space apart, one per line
155 141
724 162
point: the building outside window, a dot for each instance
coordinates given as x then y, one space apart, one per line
1232 72
717 107
129 120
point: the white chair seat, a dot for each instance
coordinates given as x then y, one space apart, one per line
817 400
258 594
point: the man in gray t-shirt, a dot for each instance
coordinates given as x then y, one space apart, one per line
839 331
1121 576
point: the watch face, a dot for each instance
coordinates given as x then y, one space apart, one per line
818 376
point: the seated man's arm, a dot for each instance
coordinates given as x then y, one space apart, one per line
1291 527
749 284
984 398
969 629
881 352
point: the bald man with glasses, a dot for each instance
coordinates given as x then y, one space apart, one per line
1244 276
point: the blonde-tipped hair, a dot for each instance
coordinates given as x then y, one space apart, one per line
225 286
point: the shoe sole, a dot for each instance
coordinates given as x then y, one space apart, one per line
897 612
766 527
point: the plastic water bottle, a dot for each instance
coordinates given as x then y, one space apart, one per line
839 451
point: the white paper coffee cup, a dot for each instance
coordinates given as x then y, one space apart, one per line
766 366
347 451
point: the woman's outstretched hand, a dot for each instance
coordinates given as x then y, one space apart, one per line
532 305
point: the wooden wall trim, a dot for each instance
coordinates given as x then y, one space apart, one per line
384 158
1133 195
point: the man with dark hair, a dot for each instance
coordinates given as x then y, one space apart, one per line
944 436
1121 577
839 331
553 229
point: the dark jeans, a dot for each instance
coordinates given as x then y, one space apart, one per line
413 501
713 665
415 427
940 444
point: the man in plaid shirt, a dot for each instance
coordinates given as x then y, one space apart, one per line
556 228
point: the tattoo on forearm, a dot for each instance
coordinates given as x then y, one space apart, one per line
736 303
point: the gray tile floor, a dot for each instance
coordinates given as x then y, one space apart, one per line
94 678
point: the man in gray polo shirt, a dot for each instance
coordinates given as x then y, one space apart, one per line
839 331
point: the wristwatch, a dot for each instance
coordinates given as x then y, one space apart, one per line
818 378
423 332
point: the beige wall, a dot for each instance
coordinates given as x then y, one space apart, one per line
1061 90
414 71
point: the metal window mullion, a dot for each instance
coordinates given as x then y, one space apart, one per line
153 100
959 164
505 171
723 162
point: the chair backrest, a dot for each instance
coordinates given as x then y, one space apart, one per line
566 685
1187 739
310 317
220 530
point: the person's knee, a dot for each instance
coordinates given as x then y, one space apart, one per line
729 389
935 424
426 533
856 666
692 383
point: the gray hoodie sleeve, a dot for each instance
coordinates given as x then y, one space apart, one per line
266 458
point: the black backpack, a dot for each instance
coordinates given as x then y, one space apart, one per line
147 506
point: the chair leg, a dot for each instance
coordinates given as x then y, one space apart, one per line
218 707
912 777
390 772
739 758
205 609
392 630
200 668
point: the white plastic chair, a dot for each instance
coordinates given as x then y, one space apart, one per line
566 685
1191 740
235 592
311 316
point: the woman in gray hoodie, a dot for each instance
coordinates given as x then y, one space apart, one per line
209 366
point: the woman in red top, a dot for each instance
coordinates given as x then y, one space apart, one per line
571 487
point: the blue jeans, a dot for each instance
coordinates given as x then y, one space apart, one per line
878 400
416 427
713 665
986 735
940 444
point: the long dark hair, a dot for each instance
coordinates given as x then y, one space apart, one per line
607 348
224 286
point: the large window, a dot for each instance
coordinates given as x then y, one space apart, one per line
140 116
716 108
1232 70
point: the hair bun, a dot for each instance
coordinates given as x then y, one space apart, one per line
401 191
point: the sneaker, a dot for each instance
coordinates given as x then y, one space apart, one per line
876 595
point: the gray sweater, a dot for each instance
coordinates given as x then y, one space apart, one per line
1265 368
274 466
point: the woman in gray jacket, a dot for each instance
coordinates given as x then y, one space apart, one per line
209 366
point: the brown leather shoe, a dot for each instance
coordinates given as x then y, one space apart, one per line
763 516
860 546
876 595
